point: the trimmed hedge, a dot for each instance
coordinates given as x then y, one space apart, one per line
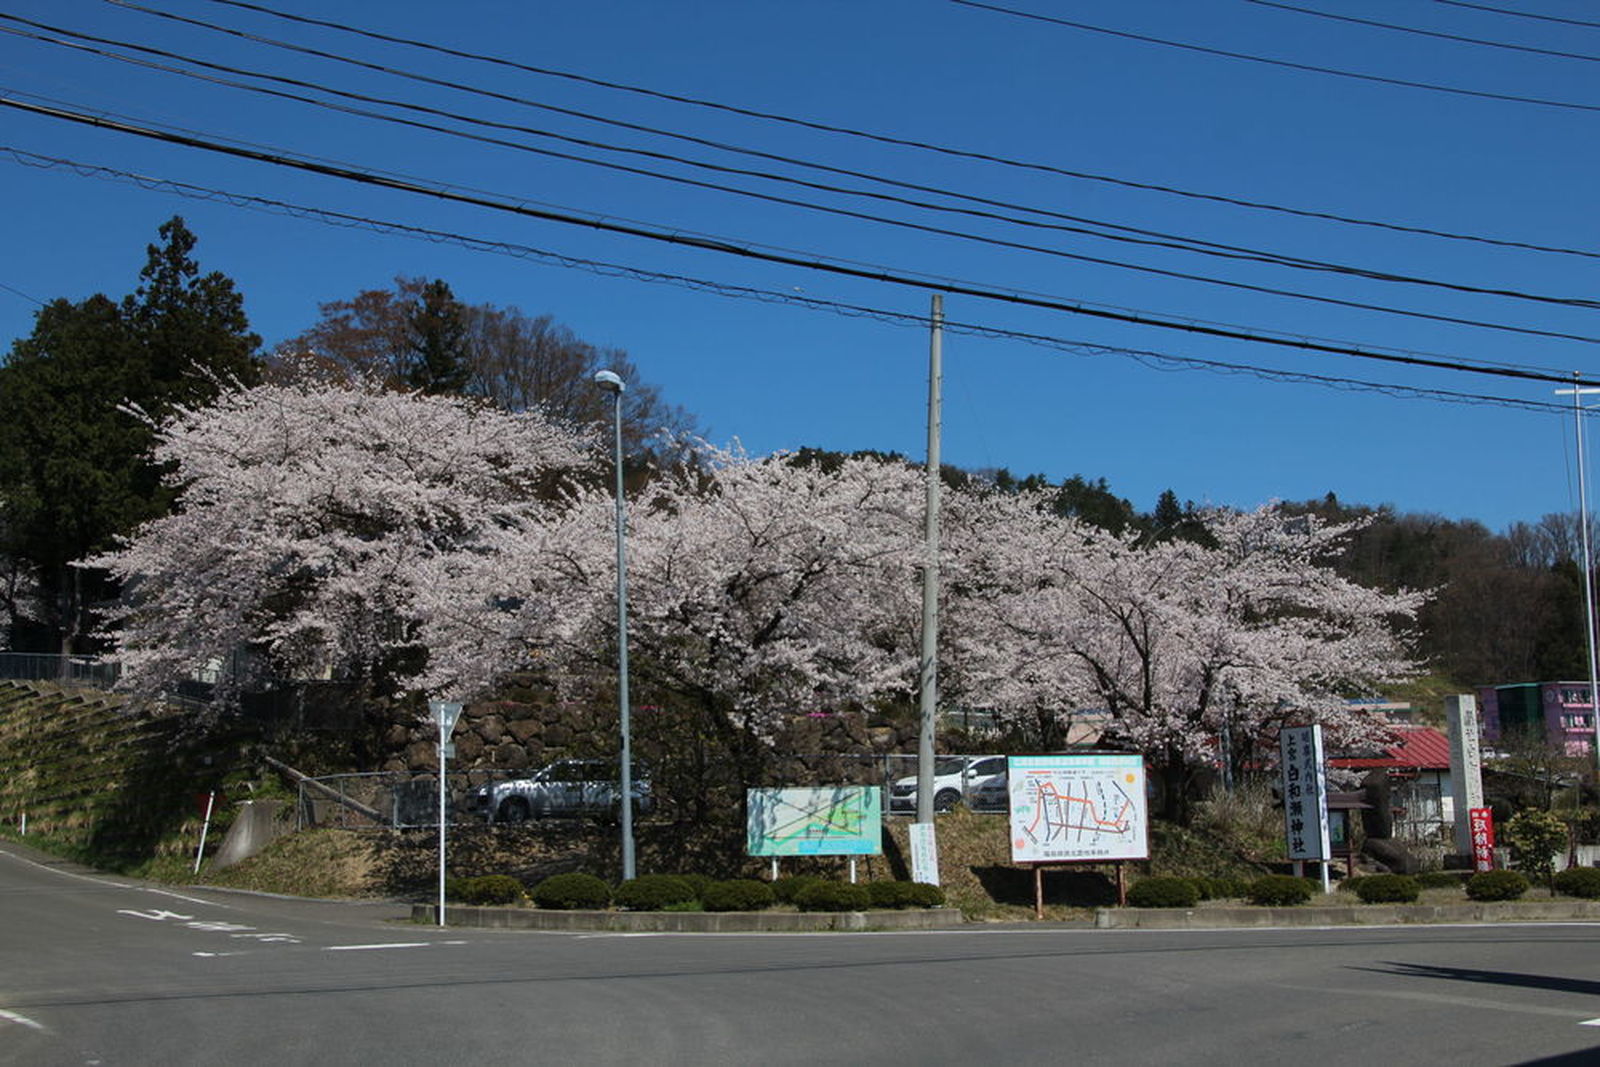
1579 882
570 892
485 889
1279 890
787 888
1227 887
738 894
1164 891
1496 885
1388 889
833 896
1442 879
652 892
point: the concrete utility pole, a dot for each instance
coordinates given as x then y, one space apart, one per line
930 574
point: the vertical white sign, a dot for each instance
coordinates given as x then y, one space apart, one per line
924 854
1305 793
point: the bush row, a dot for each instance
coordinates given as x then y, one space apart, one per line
1170 891
684 892
1279 889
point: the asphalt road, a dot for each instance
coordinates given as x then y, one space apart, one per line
96 969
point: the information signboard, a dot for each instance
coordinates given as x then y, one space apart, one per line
1083 808
844 820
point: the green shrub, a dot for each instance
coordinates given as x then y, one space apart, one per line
495 889
1279 890
924 895
1227 887
1388 889
788 888
697 882
1442 879
1496 885
1579 882
1352 883
568 892
1164 892
1535 838
485 889
1202 887
833 896
653 892
738 894
889 893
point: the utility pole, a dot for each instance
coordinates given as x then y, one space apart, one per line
1578 393
929 682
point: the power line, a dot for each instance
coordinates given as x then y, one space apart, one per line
1147 357
809 205
1141 235
901 142
1520 14
726 247
1456 37
1285 63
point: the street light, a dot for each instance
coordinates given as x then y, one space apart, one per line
612 383
1578 392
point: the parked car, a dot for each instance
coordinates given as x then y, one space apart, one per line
566 788
993 795
955 778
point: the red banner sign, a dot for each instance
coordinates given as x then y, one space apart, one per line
1480 822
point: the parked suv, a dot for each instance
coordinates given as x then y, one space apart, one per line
569 787
955 778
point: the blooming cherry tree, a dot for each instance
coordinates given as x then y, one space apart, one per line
314 523
1177 643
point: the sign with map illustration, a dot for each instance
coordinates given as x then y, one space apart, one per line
843 820
1078 808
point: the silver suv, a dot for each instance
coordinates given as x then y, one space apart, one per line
569 787
955 779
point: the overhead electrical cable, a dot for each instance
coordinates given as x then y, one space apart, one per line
1156 238
1520 14
733 248
1456 37
1148 357
904 224
902 142
1311 68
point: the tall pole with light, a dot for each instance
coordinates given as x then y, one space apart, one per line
612 383
1578 393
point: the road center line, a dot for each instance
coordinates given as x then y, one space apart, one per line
366 948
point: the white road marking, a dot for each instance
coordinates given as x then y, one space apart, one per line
154 915
67 874
392 944
215 955
20 1020
1590 1022
188 900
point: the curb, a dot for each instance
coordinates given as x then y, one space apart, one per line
695 922
1346 915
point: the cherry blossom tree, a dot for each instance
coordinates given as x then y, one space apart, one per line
313 523
1178 643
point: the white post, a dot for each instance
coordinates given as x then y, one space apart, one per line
211 800
444 713
1578 393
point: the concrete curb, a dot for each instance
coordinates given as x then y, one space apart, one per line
696 922
1346 915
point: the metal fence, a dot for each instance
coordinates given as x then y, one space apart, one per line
401 800
48 667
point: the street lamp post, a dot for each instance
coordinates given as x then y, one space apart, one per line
1578 393
612 383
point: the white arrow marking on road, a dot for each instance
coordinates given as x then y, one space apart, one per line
155 914
20 1020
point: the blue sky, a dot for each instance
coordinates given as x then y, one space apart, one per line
775 375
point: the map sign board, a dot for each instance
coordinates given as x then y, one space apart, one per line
843 820
1082 808
1305 793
